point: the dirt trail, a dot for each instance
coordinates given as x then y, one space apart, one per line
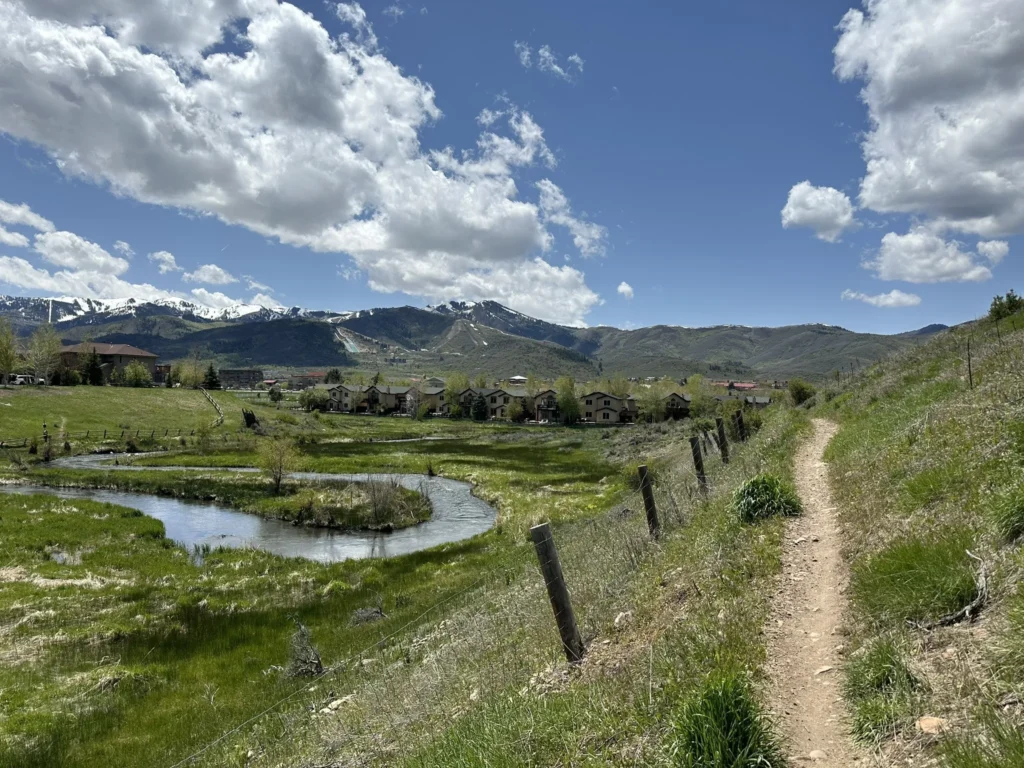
807 614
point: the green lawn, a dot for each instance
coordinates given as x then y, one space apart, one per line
24 410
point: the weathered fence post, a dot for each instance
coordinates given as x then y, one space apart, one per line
152 434
723 443
558 593
104 434
970 371
741 427
653 524
698 463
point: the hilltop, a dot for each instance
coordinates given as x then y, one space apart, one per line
469 336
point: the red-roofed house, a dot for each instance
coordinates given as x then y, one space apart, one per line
112 356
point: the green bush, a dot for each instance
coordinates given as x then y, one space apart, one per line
721 726
314 399
136 375
880 688
764 496
1008 514
1004 306
801 391
916 579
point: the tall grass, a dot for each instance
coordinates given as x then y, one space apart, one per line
722 726
917 579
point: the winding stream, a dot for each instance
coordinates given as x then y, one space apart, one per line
457 515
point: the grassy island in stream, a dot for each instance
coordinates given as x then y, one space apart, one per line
378 504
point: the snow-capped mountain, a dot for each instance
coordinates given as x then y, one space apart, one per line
80 311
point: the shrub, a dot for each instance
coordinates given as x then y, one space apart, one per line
916 579
721 726
764 496
33 446
314 399
1008 514
880 688
136 375
801 391
1004 306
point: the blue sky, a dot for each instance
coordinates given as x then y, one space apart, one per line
661 156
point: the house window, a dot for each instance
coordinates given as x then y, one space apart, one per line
494 399
590 402
506 401
607 402
606 416
589 414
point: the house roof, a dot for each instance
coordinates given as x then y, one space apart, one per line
387 389
107 349
758 400
744 385
681 396
482 391
431 390
602 394
516 392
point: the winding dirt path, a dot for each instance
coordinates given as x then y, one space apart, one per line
804 639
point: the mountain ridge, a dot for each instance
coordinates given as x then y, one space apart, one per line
483 336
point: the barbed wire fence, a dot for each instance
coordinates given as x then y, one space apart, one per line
502 634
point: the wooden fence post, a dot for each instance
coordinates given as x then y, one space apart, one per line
558 593
698 463
741 426
653 524
970 371
723 443
104 434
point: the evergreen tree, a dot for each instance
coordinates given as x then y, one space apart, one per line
333 376
211 380
480 412
92 368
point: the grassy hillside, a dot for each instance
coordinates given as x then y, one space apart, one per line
806 350
927 470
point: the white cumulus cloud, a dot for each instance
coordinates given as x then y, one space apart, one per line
825 210
66 249
587 236
13 239
922 256
943 82
625 290
124 249
211 274
894 298
22 215
164 261
297 135
994 250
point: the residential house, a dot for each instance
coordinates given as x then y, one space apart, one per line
433 398
112 357
240 378
161 373
677 406
517 381
384 398
757 402
433 381
305 380
604 408
347 398
545 405
742 386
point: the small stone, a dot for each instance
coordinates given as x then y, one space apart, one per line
474 695
367 662
817 755
823 670
932 725
623 619
339 703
